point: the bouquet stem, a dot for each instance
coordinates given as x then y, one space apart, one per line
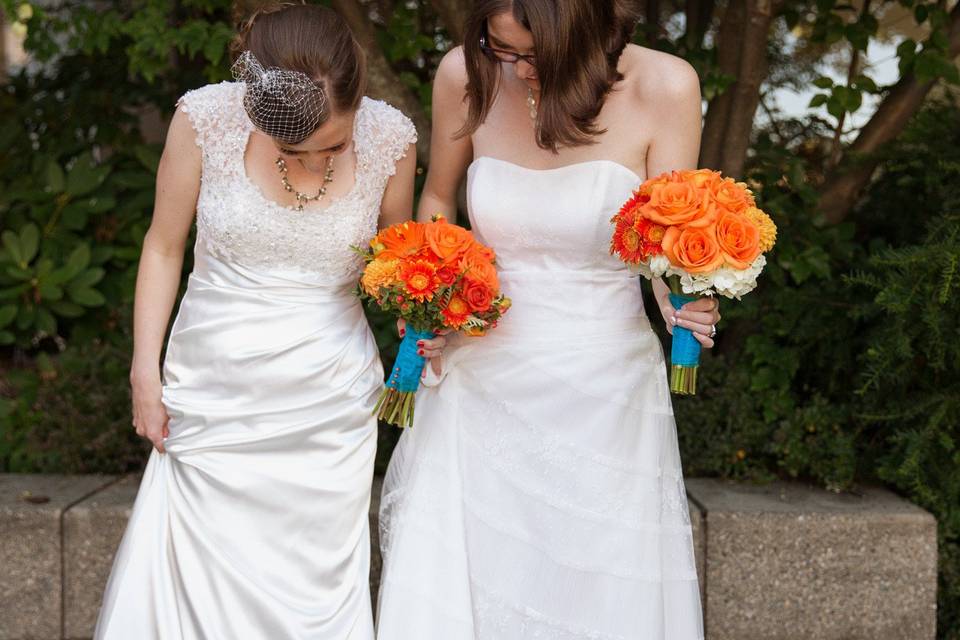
684 354
396 403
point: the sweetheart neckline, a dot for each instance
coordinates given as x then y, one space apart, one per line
623 167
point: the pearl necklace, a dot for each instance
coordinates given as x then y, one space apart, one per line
303 198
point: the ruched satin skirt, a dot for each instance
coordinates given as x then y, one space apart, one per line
539 493
253 525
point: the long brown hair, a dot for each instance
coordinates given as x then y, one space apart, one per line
577 44
311 39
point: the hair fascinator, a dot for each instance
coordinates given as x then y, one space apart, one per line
284 104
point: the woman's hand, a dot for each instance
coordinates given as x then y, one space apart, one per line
432 350
700 316
149 415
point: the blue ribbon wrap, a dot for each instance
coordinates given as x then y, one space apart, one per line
408 367
684 350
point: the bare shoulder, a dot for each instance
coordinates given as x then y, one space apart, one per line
453 68
658 77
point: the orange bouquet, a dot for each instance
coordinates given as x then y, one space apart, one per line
435 276
705 234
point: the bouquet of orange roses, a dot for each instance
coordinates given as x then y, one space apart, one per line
705 234
435 276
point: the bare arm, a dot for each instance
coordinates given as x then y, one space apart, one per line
397 203
158 277
676 146
449 155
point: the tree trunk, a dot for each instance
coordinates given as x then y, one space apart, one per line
844 185
452 13
754 66
728 63
699 15
383 82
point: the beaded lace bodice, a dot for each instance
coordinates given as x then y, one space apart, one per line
238 223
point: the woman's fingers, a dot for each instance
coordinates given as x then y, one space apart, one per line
401 327
696 327
705 341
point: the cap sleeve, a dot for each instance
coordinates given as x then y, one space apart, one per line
386 135
211 110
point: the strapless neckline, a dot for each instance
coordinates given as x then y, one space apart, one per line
566 167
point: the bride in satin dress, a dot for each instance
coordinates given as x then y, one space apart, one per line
539 493
251 522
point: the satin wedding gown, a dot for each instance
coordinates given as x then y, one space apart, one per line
539 493
254 525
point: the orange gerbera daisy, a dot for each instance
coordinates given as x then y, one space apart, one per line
456 313
419 279
402 241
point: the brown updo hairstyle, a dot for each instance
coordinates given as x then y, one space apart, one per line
312 39
577 44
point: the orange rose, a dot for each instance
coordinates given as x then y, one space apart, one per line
476 267
448 241
481 252
649 185
701 178
693 249
477 295
401 241
738 238
679 204
731 196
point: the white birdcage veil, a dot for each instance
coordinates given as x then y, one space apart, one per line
286 105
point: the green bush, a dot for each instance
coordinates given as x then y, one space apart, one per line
844 367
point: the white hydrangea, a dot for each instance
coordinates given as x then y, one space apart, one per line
725 281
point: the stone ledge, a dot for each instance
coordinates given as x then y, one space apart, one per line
92 531
786 561
775 562
31 509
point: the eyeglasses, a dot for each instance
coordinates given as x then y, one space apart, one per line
506 56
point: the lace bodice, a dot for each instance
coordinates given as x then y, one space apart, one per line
236 221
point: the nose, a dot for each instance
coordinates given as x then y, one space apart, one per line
525 70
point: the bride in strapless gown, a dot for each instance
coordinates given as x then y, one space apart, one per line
540 493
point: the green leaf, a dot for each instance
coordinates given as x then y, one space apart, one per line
148 155
85 176
88 278
78 260
818 101
7 338
67 309
823 82
49 291
12 243
835 104
74 216
7 314
920 13
46 322
866 84
55 180
86 297
29 242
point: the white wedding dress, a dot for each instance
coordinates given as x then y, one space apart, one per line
539 493
254 525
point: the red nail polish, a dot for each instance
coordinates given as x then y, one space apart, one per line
420 352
